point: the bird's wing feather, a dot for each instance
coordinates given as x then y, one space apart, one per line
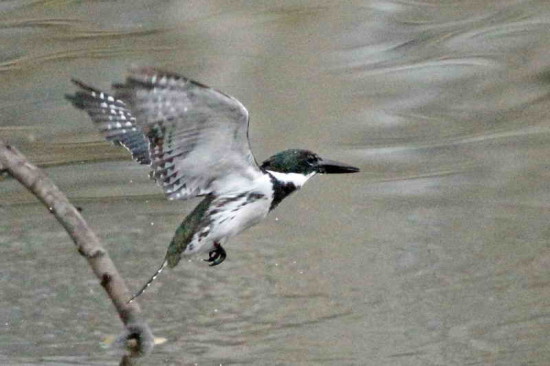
113 119
197 137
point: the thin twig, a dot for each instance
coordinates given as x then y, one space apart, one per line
137 332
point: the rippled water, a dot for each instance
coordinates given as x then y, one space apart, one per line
437 254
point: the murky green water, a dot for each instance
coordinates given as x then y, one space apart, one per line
437 254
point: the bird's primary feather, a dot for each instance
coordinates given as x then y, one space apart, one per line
113 119
195 138
198 135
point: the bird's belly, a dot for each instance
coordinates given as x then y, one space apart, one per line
231 213
228 220
234 221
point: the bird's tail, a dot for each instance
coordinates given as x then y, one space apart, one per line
153 278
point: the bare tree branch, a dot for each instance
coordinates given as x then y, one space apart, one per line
137 336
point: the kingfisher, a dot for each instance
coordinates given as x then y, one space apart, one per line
195 140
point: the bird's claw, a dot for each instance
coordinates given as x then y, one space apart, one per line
216 256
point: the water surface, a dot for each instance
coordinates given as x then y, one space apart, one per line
436 254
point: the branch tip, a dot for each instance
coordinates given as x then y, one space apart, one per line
14 163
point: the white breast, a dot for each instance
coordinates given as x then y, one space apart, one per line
237 216
234 212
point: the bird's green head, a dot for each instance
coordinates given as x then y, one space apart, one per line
304 162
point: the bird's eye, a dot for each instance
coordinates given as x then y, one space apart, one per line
311 159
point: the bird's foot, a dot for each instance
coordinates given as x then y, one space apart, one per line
217 255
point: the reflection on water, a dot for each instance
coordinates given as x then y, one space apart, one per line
436 254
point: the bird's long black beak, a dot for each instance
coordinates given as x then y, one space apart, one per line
335 167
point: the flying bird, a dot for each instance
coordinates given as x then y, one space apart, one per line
195 140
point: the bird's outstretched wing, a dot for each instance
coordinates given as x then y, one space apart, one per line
113 119
197 137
